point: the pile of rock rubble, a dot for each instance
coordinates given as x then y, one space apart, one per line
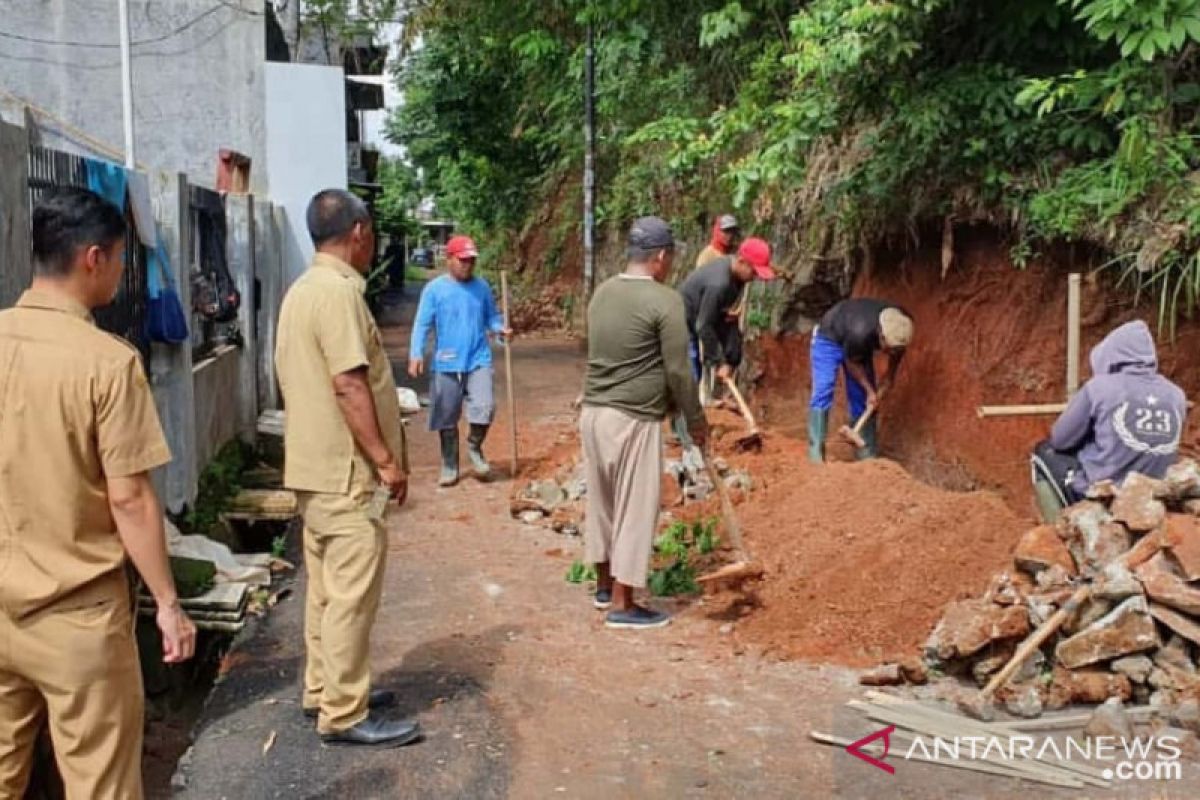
1137 635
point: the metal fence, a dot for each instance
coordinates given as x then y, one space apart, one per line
126 315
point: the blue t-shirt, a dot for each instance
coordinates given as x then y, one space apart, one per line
461 314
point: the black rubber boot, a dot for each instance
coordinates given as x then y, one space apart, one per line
449 475
869 434
818 425
482 469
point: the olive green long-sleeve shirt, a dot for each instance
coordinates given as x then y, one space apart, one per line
638 351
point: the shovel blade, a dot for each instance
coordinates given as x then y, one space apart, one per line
737 571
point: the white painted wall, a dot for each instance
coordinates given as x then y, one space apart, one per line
197 79
306 147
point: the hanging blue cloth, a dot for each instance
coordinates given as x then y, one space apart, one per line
166 321
107 180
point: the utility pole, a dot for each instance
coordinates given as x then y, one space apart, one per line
126 81
589 170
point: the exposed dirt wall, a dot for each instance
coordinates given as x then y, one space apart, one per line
988 333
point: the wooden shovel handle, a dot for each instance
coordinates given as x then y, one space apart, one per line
741 402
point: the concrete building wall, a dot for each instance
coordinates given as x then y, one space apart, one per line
197 79
171 365
306 149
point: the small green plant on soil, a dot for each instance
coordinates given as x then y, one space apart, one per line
278 546
675 552
219 482
581 573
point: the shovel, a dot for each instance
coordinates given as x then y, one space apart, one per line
752 438
744 568
854 435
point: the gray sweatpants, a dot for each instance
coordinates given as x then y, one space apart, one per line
623 469
449 392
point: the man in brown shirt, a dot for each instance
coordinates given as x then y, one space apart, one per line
345 452
78 438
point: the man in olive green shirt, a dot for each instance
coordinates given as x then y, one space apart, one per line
637 373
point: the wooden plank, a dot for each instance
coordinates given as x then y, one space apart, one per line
1067 721
1030 410
1177 622
973 765
955 724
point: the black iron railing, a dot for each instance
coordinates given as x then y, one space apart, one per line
126 315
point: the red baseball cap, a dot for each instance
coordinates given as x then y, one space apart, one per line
757 254
461 247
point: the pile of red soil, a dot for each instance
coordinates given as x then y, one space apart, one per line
860 558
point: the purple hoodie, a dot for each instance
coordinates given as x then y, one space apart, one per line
1127 418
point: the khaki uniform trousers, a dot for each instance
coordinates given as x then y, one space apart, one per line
345 552
75 665
623 469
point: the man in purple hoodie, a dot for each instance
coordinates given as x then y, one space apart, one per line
1127 418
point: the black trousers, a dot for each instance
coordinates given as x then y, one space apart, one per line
1058 469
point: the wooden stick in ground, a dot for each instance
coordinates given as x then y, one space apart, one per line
508 373
742 405
743 567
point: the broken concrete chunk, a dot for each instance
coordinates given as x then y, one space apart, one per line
1025 702
1161 679
1126 629
992 661
1176 656
1089 686
1182 538
1110 720
969 625
1176 622
531 517
1053 578
1042 548
1092 537
1092 610
1162 583
975 706
1003 591
883 675
1116 583
548 494
1040 609
1182 481
1137 505
1136 668
1102 490
1186 715
914 671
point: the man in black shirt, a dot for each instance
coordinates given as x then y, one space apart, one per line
710 294
849 335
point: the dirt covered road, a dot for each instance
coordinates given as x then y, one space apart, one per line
521 691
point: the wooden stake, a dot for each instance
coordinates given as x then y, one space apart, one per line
508 372
1073 314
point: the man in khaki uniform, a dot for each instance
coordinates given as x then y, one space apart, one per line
78 437
345 453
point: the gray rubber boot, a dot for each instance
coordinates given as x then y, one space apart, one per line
1047 501
869 434
449 475
475 437
818 425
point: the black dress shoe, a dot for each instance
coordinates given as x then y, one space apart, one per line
376 732
378 698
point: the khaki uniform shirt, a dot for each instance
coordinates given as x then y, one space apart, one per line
75 410
325 329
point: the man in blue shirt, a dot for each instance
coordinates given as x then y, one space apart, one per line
460 309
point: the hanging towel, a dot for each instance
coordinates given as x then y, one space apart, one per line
107 180
166 321
143 211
